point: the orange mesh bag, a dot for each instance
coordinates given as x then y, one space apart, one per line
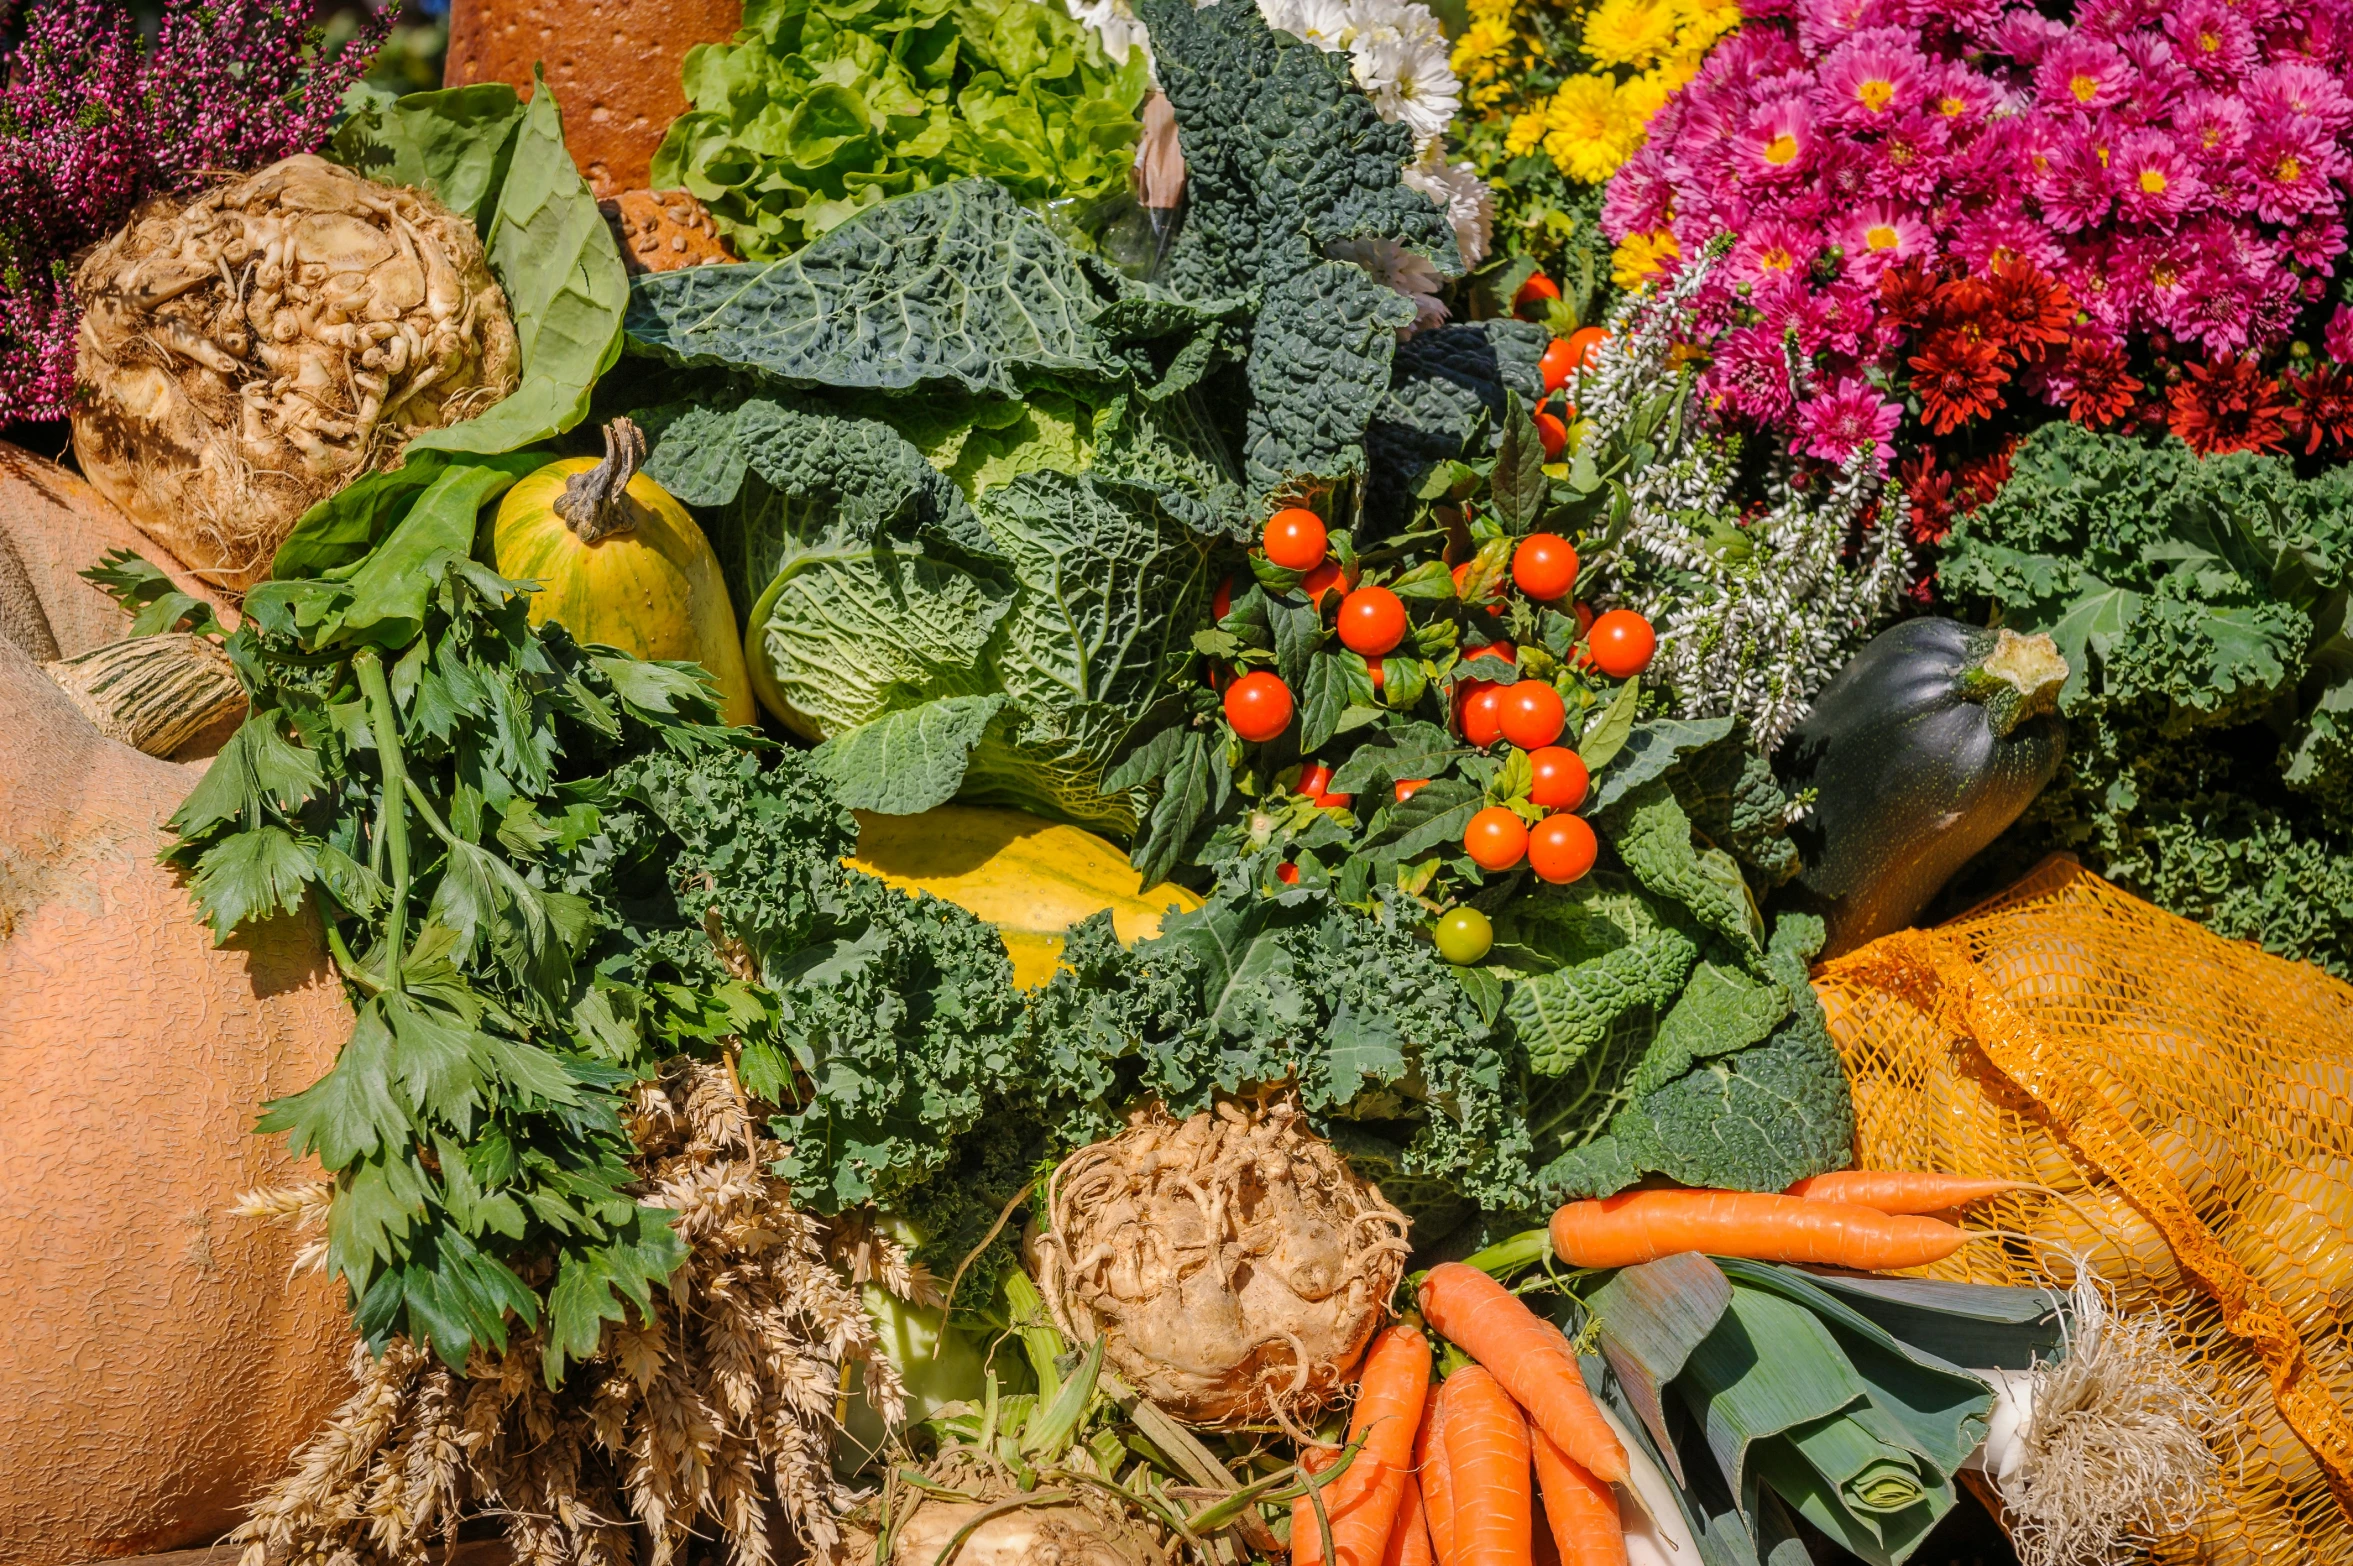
2186 1105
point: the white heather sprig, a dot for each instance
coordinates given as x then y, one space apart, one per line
1754 616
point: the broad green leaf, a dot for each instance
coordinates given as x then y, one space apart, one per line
561 270
905 762
250 875
1607 731
391 586
351 1111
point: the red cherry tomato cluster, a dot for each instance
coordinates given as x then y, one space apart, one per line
1258 705
1295 539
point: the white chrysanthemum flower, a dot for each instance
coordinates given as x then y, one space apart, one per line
1410 83
1468 200
1281 15
1328 24
1115 24
1393 266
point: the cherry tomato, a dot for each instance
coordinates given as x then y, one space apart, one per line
1495 839
1533 714
1621 642
1583 342
1534 294
1553 434
1561 849
1406 788
1316 784
1464 569
1584 618
1320 581
1372 666
1258 705
1463 935
1482 714
1557 365
1504 650
1545 566
1560 780
1372 621
1294 539
1287 873
1221 602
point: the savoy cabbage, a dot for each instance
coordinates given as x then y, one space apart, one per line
2202 605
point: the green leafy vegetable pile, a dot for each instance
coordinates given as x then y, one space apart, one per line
821 109
2203 605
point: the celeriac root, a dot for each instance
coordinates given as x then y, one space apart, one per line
1233 1263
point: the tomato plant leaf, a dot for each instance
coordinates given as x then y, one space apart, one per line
1605 733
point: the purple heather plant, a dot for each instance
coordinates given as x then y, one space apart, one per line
95 120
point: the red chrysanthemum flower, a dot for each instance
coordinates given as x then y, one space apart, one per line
1907 292
2228 404
1958 376
2028 310
1930 493
2096 385
2324 407
1982 477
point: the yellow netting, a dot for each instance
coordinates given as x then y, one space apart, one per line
2188 1101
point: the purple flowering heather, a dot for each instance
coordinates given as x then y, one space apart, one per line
94 121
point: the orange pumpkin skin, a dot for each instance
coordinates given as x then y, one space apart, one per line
157 1367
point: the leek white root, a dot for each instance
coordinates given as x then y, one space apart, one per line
2098 1452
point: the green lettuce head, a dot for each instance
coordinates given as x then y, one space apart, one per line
822 108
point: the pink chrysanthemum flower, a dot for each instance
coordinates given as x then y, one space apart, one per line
2082 74
2212 40
1778 140
2302 91
2337 341
1872 79
1774 253
1849 416
2078 188
1911 161
2154 183
1750 376
2291 165
2212 126
1878 237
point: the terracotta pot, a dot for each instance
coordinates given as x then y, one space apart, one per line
158 1366
613 64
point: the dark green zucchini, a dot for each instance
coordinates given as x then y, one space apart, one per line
1922 750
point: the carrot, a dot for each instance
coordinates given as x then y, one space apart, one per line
1362 1503
1900 1191
1487 1469
1529 1356
1641 1226
1429 1469
1409 1540
1582 1510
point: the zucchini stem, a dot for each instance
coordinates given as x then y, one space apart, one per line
2020 678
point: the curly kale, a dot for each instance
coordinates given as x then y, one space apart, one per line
2202 605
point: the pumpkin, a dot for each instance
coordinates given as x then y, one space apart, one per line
54 526
618 561
1920 752
1031 878
159 1361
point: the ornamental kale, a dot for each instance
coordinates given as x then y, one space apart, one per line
2203 605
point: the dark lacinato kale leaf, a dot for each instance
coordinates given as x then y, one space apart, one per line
1445 385
2202 606
1286 159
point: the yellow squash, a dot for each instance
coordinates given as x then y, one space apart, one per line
620 562
1031 878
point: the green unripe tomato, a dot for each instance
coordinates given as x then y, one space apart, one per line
1464 935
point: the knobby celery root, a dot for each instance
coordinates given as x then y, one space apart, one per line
1233 1264
1056 1523
250 351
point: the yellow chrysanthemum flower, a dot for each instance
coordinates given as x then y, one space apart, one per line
1643 97
1631 32
1479 53
1641 256
1590 128
1526 133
